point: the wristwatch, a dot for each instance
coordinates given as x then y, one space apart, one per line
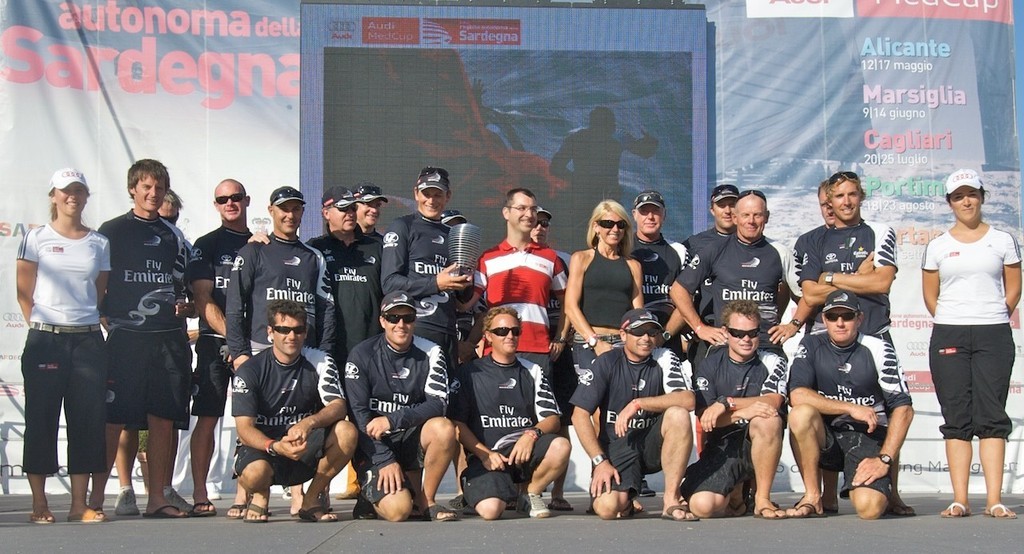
596 460
829 277
270 449
797 322
537 432
886 459
730 403
592 341
665 335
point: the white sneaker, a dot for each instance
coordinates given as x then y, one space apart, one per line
533 505
126 504
175 499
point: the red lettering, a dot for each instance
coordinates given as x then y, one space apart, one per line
15 52
146 60
177 69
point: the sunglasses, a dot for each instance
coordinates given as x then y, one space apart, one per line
395 318
545 224
648 198
640 331
504 331
608 224
369 190
754 192
346 209
843 176
286 330
845 316
236 198
742 334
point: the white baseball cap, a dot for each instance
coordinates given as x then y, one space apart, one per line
63 178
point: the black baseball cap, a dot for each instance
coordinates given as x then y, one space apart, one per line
649 197
338 196
433 177
543 211
842 299
637 318
448 215
395 299
724 191
284 194
367 192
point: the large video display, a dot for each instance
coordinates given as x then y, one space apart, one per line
575 104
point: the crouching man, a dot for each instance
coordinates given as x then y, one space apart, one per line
507 419
397 385
645 399
289 406
851 410
741 393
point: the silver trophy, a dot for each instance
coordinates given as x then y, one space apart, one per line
464 247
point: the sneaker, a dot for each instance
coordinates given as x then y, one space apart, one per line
646 491
175 499
126 504
532 505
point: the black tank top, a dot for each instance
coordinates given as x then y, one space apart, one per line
607 291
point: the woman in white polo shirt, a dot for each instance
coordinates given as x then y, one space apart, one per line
62 270
971 277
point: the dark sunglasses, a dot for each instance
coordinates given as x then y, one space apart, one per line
648 197
608 224
741 334
840 176
504 331
845 316
395 318
236 198
640 331
754 192
545 224
286 330
346 209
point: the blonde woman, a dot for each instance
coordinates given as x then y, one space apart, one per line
62 272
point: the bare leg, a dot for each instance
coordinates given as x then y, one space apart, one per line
40 507
807 436
201 452
339 446
127 447
959 454
554 463
79 486
993 453
677 443
439 446
766 449
830 489
869 503
161 461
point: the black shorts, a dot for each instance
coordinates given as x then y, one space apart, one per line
287 471
845 449
971 367
149 374
563 384
211 377
636 455
408 453
478 483
724 462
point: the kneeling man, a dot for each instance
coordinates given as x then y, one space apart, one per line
507 419
397 386
741 393
289 409
851 410
645 399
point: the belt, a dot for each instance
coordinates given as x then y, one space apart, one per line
58 329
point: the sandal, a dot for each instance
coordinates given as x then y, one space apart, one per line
45 518
236 511
260 511
442 513
773 509
88 516
317 514
1005 513
208 510
560 504
955 510
670 513
801 512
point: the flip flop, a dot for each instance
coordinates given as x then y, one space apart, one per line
812 515
45 518
239 508
1006 513
668 514
900 511
196 512
161 513
759 514
88 516
560 505
437 512
258 510
948 513
317 514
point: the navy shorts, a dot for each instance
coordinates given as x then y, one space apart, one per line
149 374
405 445
845 449
636 455
724 462
479 483
287 471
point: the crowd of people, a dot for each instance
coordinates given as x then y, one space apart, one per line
370 349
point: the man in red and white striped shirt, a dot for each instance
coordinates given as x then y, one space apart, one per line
522 274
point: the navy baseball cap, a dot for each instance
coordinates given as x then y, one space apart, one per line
649 197
395 299
722 192
638 318
368 192
284 194
842 299
448 216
